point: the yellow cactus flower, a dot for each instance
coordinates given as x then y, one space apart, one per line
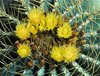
35 16
70 53
67 54
22 31
56 53
51 21
33 30
64 31
24 50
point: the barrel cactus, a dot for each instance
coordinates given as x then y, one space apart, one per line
49 38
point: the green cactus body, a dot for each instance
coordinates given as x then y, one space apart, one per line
86 15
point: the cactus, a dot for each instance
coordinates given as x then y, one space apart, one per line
82 15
